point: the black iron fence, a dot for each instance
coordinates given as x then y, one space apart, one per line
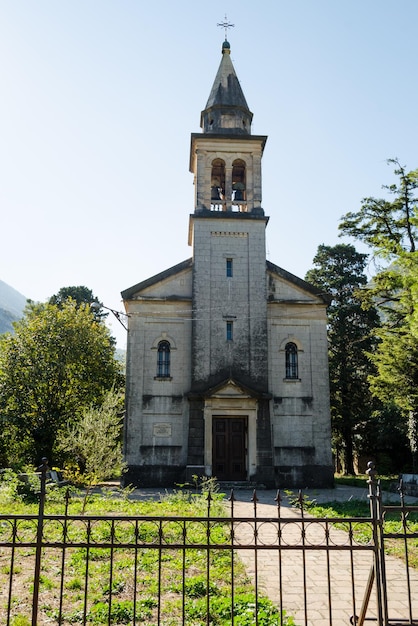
280 567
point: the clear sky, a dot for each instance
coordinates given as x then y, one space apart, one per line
99 97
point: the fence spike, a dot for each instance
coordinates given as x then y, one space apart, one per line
254 500
371 473
401 491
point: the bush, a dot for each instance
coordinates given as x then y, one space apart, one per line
9 483
19 487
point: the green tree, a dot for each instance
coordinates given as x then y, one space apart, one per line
383 438
59 361
94 442
396 380
390 228
81 295
339 271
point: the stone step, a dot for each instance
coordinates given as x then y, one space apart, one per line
238 484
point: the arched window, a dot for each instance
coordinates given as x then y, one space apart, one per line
291 352
217 192
163 360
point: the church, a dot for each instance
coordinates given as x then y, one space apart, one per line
227 364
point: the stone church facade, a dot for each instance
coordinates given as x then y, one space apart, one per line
227 367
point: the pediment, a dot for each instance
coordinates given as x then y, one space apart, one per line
231 389
282 286
173 283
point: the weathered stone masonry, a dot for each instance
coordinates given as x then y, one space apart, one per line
227 370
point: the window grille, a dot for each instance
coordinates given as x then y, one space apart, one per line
291 352
163 360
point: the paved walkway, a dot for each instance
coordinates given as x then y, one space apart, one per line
310 577
324 574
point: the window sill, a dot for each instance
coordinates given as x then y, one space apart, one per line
292 380
163 378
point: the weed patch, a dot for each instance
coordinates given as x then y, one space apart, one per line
156 568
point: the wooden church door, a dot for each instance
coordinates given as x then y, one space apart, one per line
229 450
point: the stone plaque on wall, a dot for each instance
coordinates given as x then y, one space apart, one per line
161 430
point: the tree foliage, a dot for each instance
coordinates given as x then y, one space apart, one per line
390 228
81 295
339 271
58 362
94 442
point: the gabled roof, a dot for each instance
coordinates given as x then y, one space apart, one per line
298 282
129 293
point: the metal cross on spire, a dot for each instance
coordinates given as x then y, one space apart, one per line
225 24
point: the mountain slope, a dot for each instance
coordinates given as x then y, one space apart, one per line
12 304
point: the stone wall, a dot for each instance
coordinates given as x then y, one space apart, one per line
240 300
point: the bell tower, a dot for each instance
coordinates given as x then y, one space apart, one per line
225 158
227 232
229 376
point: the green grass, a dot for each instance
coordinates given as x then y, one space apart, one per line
182 570
386 482
363 532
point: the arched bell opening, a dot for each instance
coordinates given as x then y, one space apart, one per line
217 185
239 184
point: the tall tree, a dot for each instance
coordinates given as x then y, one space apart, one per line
396 380
80 295
390 228
339 271
59 361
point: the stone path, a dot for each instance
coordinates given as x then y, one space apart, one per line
306 586
313 566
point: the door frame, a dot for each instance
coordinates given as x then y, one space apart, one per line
231 407
243 449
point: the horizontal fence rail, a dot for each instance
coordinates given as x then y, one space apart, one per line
165 571
96 539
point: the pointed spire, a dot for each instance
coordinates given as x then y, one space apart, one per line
226 110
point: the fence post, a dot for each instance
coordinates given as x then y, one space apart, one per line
375 512
39 534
